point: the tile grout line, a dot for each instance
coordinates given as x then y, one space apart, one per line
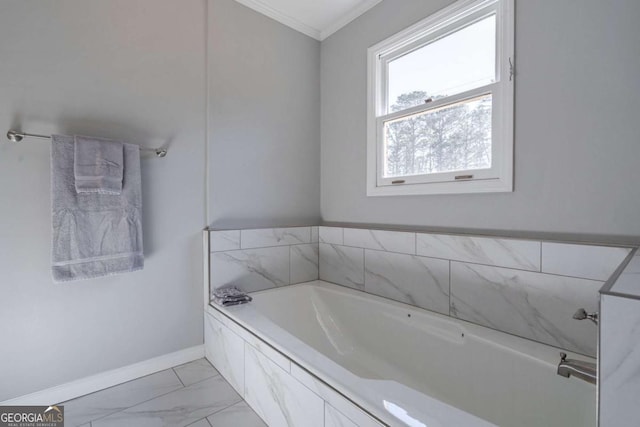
179 379
473 263
261 247
155 397
450 289
541 269
139 403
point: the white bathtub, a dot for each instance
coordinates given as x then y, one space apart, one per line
407 366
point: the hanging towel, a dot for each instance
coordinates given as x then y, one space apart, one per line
94 234
97 165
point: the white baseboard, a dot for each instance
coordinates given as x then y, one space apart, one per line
77 388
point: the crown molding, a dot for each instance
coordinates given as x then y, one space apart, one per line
348 17
283 18
315 33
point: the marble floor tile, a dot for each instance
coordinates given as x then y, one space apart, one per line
196 371
200 423
238 415
114 399
179 408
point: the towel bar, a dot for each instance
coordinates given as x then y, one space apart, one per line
16 136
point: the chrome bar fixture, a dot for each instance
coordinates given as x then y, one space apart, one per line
17 136
586 371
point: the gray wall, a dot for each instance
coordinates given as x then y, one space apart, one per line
577 129
264 128
132 69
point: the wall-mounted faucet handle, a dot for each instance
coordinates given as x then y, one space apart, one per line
582 314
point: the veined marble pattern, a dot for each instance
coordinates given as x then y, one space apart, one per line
333 398
532 305
304 262
193 372
342 265
333 418
260 345
629 280
265 237
114 399
315 234
201 423
252 269
620 362
392 241
586 261
238 415
419 281
225 350
331 235
224 240
180 408
511 253
278 398
161 400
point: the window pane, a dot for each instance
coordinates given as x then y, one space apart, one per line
460 61
452 138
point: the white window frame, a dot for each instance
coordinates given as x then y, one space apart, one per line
499 178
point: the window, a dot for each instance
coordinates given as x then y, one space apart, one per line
440 114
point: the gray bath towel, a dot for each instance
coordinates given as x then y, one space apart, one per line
98 165
94 234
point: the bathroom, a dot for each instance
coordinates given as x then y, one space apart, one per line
380 297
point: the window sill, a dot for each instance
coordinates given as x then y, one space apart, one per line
497 185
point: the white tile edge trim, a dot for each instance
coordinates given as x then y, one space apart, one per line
97 382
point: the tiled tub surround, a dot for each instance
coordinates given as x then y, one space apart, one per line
257 259
318 354
620 348
620 361
527 288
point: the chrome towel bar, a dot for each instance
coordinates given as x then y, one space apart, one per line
17 136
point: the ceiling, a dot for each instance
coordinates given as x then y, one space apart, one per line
315 18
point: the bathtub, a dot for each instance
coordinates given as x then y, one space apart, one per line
410 367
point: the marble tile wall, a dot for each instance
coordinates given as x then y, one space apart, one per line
620 361
258 259
278 390
524 287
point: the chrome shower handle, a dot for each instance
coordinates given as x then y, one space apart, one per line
582 314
